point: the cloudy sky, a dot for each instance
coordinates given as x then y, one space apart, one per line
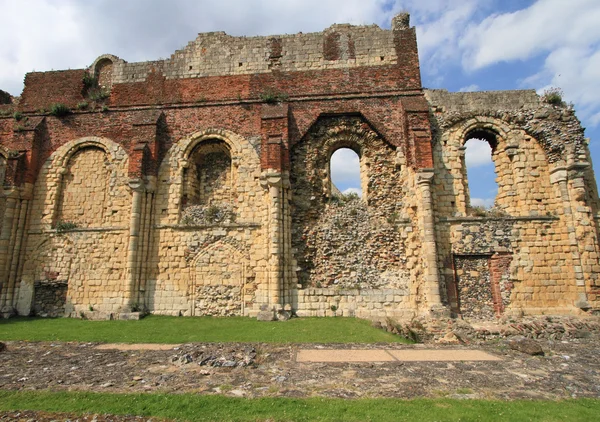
465 45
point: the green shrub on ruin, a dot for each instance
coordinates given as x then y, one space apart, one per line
59 110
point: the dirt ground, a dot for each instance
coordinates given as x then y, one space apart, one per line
569 369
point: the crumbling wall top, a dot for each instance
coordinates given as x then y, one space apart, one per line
5 97
463 102
219 54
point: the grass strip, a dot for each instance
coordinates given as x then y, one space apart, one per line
173 330
190 407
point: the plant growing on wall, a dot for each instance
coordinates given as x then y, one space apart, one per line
59 110
553 96
272 96
63 226
92 90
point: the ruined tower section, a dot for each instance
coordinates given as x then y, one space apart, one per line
536 250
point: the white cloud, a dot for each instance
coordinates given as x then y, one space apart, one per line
542 27
564 34
357 191
478 153
469 88
51 34
438 30
482 202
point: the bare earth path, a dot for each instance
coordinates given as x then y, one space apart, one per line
568 369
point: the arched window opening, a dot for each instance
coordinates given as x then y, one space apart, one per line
344 168
481 185
207 196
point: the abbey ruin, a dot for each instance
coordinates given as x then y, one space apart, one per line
200 185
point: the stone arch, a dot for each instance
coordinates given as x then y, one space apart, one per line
49 185
325 232
87 182
520 161
328 134
171 174
221 278
233 140
102 70
208 178
483 125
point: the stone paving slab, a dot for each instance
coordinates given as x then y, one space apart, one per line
137 346
337 355
314 355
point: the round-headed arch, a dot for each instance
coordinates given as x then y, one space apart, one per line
232 140
486 128
60 158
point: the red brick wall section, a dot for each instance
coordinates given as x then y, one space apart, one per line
386 116
159 90
499 267
331 46
274 133
408 54
160 129
42 89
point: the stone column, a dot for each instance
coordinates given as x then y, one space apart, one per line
26 193
559 177
6 236
130 296
146 230
275 241
279 295
432 279
11 242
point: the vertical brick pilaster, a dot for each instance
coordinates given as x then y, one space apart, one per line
499 266
274 131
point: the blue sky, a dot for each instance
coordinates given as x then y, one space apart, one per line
464 44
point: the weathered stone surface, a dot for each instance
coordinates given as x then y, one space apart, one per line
526 345
201 185
266 316
570 369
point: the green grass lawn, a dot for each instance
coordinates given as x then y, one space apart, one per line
190 407
163 329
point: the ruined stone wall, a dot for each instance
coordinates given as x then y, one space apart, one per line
365 244
2 198
216 53
532 219
80 214
219 264
201 186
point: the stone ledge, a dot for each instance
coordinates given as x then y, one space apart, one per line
80 229
483 219
184 227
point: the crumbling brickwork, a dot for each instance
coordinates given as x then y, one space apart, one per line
201 185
